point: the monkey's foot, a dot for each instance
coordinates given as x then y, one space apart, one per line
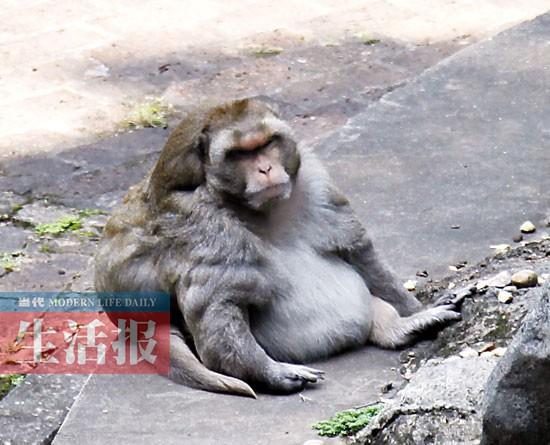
287 378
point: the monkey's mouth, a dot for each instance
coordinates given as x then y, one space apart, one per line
269 194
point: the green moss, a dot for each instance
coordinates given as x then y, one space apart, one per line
8 381
501 330
267 51
9 260
65 224
149 114
46 248
90 212
368 40
15 208
348 422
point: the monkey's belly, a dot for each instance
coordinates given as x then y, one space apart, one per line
325 308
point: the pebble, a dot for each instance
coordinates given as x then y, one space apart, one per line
525 278
499 352
468 353
541 281
504 297
485 347
502 279
517 238
527 227
511 289
500 248
410 285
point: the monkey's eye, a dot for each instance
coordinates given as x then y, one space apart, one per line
237 153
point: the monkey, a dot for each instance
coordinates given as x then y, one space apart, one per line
267 266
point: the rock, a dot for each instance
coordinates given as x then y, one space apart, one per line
482 285
13 239
502 279
484 347
499 352
40 213
410 285
441 404
511 289
525 278
541 281
504 297
527 227
517 238
516 408
500 248
468 353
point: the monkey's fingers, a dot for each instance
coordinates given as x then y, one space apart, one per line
448 312
309 374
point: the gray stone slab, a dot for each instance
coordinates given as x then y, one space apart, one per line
467 143
152 410
32 413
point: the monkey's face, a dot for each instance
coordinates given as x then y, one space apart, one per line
254 162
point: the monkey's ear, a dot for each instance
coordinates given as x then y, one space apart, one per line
181 162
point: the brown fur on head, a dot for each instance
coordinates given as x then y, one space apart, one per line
239 148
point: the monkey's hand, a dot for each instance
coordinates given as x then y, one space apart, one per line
287 378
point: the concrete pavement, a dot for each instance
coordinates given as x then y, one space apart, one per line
447 148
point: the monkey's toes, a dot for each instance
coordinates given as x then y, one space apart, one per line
447 312
292 378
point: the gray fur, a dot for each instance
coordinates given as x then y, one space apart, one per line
258 290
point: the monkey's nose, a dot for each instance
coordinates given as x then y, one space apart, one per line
265 170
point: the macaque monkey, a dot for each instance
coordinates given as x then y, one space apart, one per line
266 263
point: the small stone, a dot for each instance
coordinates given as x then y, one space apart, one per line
517 238
468 353
499 352
540 281
502 279
504 297
527 227
525 278
485 347
386 388
482 285
410 285
453 268
500 248
422 273
455 226
451 285
511 289
61 272
486 354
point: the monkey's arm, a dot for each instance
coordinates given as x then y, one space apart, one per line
351 243
381 281
225 344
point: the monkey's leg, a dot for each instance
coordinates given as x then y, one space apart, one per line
225 344
390 330
380 280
